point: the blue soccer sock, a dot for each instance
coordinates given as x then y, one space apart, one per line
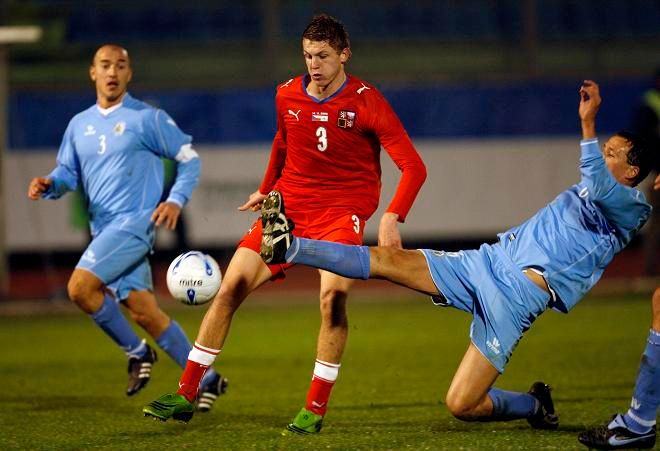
509 405
343 259
175 343
114 324
641 416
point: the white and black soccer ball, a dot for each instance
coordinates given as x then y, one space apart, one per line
193 278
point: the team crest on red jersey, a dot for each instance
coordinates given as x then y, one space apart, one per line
346 119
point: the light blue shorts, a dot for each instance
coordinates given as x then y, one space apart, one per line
119 259
486 283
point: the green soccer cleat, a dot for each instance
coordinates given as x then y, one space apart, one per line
171 405
304 423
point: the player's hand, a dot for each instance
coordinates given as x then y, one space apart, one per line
589 100
388 231
254 202
38 186
656 183
167 214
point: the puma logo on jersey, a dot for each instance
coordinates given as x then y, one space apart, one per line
359 91
295 114
286 84
90 130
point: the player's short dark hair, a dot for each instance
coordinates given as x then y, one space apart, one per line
640 155
326 28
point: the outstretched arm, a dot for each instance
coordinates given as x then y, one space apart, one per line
589 104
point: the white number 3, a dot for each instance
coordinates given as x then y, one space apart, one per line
102 144
322 135
356 223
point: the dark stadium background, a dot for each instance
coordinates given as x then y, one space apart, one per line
451 69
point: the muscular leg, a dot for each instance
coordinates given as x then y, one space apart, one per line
403 267
472 397
334 322
245 273
331 342
87 291
146 312
467 398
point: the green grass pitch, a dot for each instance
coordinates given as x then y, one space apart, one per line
63 381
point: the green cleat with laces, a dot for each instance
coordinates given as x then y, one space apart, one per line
171 405
304 423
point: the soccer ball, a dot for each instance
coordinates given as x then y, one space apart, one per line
193 278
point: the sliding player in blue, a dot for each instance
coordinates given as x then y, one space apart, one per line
113 150
550 261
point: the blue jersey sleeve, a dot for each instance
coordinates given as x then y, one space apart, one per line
66 174
624 207
167 140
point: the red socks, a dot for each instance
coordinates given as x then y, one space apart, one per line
199 360
325 375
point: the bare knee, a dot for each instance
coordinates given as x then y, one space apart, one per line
333 308
462 408
84 294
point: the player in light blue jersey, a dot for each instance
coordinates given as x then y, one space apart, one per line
113 151
549 261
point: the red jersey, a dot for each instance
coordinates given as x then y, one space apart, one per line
326 153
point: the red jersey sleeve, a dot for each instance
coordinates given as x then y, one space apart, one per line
276 163
393 137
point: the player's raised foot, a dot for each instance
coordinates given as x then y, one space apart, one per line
615 435
276 229
209 392
545 417
139 371
304 423
171 405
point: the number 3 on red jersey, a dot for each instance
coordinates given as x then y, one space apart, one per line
322 135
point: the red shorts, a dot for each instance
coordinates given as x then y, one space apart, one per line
334 224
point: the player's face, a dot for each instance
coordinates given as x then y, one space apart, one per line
615 152
111 72
324 64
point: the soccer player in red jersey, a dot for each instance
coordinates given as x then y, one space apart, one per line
325 160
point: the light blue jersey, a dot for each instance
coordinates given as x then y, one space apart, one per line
575 237
116 158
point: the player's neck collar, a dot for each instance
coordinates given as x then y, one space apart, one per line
307 79
107 111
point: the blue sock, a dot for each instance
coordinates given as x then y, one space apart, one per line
210 373
343 259
114 323
175 342
646 397
510 405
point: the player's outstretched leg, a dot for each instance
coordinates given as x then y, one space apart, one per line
616 435
545 417
210 390
139 370
306 422
277 236
171 405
